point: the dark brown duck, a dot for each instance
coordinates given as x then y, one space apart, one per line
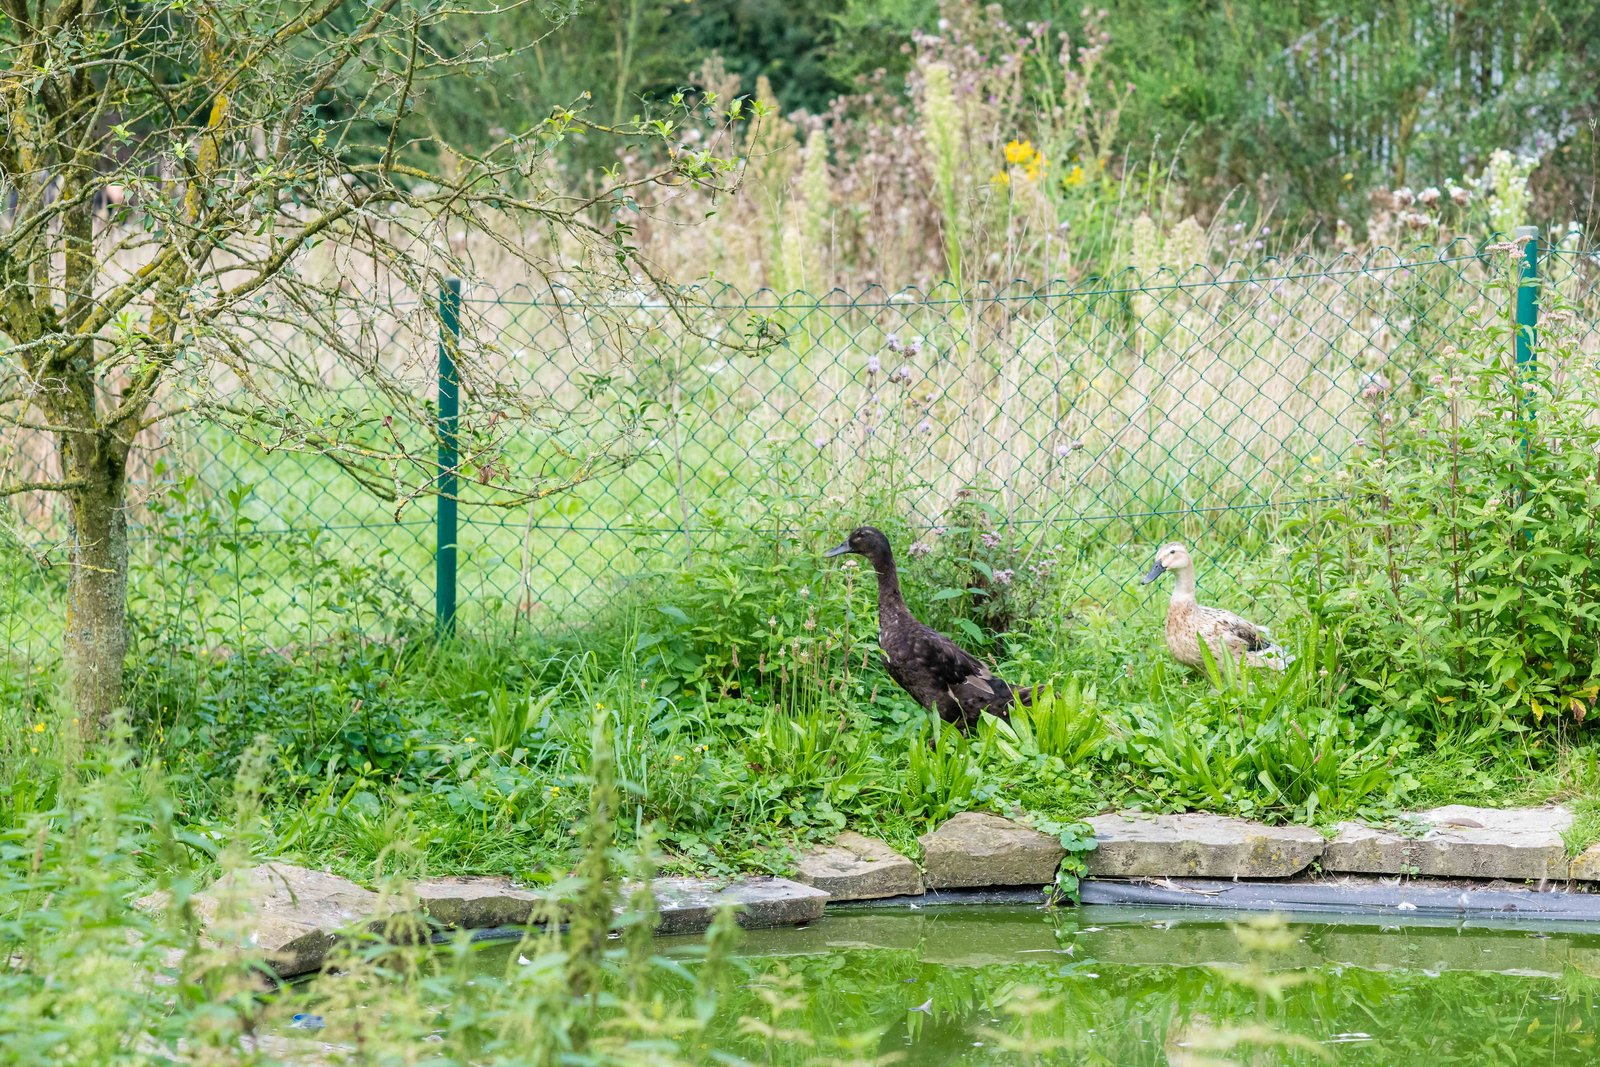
938 673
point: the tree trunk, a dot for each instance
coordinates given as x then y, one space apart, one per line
96 645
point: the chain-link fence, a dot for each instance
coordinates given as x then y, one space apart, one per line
1120 412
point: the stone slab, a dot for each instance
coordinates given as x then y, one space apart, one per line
1586 865
1517 844
688 905
476 903
1198 845
979 849
292 914
859 868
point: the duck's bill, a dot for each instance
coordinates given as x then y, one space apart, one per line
841 550
1155 572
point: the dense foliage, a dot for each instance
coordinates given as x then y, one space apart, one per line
1305 107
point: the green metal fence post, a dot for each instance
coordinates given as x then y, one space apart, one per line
444 551
1527 321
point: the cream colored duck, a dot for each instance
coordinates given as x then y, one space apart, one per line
1189 622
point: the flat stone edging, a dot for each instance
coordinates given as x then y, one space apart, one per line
295 915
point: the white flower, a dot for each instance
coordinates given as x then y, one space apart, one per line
873 366
1428 197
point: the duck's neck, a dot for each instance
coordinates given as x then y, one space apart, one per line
1184 591
891 604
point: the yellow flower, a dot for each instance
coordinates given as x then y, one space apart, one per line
677 759
1000 178
35 750
38 727
555 790
1019 152
470 740
1074 176
1036 168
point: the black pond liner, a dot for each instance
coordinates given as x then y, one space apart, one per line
1395 903
1412 903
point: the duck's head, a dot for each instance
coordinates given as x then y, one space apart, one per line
1169 557
866 541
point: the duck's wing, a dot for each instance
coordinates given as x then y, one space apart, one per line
1236 630
960 673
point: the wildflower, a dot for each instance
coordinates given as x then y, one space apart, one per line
1348 177
1000 178
990 540
1459 195
820 441
924 426
1003 577
471 740
873 365
920 548
1063 449
772 620
676 758
38 727
34 749
804 592
1373 385
1404 197
1073 176
1429 196
555 790
1020 153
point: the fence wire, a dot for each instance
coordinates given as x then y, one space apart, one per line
1122 412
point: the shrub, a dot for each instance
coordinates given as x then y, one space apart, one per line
1460 567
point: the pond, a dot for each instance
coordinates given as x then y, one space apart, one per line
1103 985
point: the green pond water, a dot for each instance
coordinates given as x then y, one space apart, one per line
1099 985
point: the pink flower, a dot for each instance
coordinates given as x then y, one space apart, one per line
1004 577
990 540
920 548
873 366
